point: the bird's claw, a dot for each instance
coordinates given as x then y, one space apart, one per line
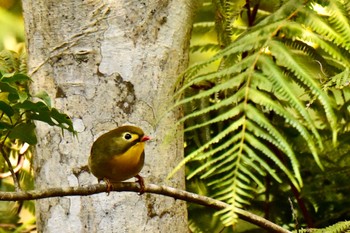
109 186
141 183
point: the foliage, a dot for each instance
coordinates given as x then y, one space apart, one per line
339 227
272 107
18 111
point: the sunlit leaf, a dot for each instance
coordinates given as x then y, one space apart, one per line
45 97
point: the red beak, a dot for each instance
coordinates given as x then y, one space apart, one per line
145 138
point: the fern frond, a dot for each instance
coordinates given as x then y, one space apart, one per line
339 20
340 80
216 139
203 27
229 84
235 111
291 62
259 118
275 80
286 90
235 71
235 98
325 45
261 99
338 227
9 61
204 48
258 145
319 25
210 163
255 157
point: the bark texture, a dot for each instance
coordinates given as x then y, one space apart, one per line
108 63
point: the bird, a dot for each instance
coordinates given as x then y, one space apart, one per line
118 155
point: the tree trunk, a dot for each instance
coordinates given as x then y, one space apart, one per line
108 63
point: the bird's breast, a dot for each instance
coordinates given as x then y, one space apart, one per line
127 165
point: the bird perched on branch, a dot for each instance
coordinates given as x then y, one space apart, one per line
119 155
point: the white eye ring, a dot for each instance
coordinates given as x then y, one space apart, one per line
127 136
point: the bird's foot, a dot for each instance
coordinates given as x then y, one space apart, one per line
109 185
141 183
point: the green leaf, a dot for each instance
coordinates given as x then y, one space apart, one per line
45 97
4 125
5 87
15 78
62 120
23 96
13 97
43 115
24 132
41 112
7 75
32 106
7 109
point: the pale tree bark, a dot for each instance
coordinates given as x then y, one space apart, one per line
108 63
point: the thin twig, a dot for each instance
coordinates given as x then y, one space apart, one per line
13 174
133 187
16 169
6 157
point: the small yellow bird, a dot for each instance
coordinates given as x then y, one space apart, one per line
119 155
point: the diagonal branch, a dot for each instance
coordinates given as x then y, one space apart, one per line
133 187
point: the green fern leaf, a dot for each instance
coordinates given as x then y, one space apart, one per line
283 73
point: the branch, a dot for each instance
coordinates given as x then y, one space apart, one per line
133 187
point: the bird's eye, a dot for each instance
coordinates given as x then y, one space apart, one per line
127 136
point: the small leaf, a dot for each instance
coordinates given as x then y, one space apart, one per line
5 87
24 132
62 119
23 96
31 106
7 109
45 97
13 97
4 125
43 115
9 78
7 75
